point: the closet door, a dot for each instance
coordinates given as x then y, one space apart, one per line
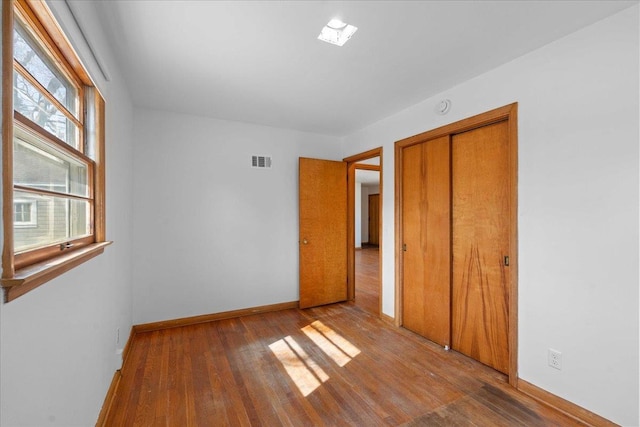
426 239
481 231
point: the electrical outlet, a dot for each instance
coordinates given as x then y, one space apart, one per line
555 359
119 359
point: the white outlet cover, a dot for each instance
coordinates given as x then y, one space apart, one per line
554 359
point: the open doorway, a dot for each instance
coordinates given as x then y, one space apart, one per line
367 235
369 297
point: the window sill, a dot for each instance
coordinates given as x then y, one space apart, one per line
28 278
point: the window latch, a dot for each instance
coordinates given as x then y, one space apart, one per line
64 246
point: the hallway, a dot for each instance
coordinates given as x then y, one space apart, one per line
368 279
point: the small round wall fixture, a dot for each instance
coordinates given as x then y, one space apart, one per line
443 106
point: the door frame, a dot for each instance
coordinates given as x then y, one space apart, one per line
508 113
352 165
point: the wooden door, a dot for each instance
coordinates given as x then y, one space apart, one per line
374 219
481 231
426 239
323 232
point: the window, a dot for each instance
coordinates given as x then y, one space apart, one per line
54 152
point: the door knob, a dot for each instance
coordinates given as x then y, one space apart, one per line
305 241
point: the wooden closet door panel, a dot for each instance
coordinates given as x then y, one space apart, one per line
426 234
481 221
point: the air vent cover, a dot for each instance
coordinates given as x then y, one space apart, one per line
261 162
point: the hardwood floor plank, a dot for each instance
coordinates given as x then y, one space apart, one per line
172 398
233 344
502 403
128 395
163 378
447 416
226 393
205 400
368 280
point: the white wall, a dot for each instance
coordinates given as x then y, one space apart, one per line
212 234
358 214
578 206
59 341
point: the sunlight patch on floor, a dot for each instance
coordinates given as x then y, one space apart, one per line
336 339
333 345
303 370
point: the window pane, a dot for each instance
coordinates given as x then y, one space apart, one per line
58 220
32 104
40 166
30 56
24 213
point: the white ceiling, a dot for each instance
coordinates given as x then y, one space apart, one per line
261 62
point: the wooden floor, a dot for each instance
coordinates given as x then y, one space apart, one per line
368 279
335 365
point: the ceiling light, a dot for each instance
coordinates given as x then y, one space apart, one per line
336 24
337 32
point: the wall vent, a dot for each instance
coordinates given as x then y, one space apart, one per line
261 162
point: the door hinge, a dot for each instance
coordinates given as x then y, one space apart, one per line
506 260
